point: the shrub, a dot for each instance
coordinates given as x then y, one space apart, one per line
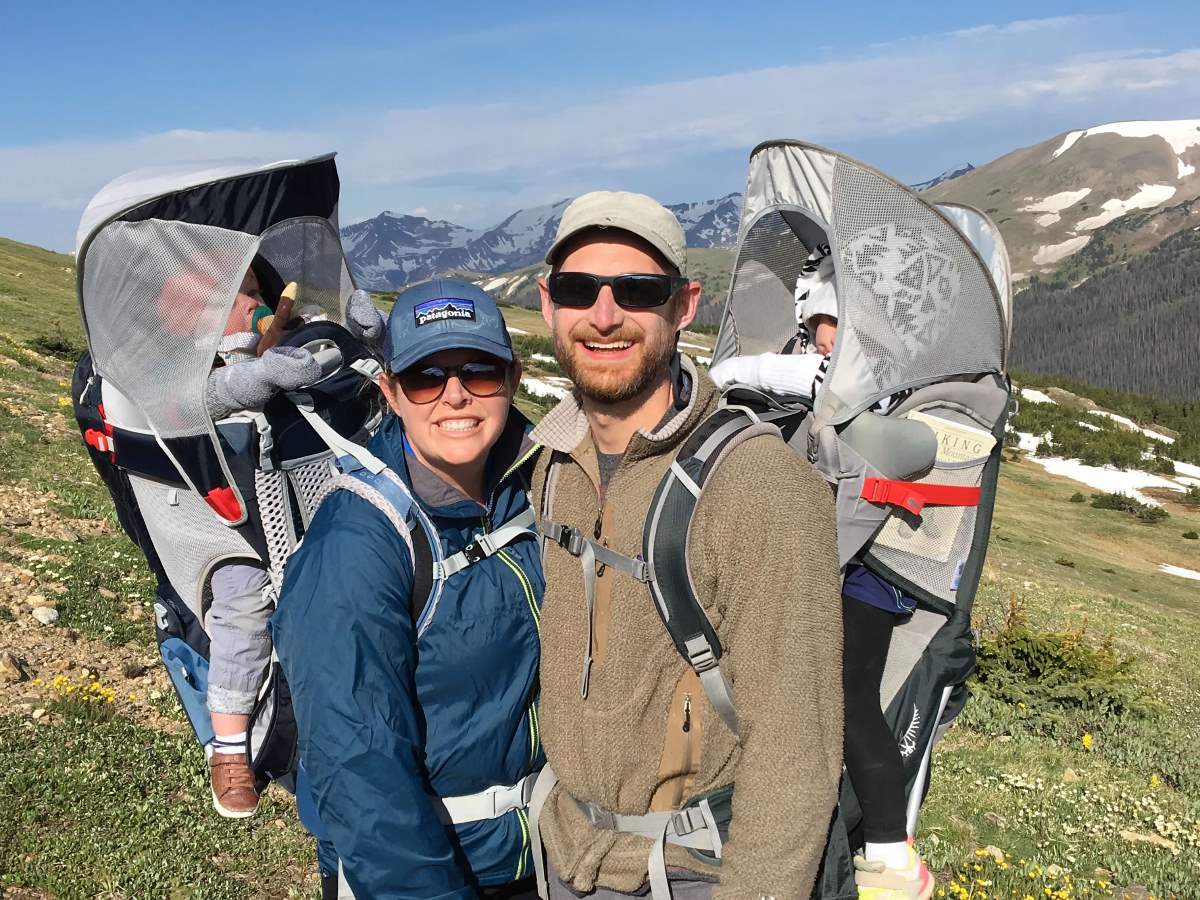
1191 497
1119 502
1124 503
528 344
1190 536
1093 439
1056 676
1078 497
56 342
1063 561
1152 514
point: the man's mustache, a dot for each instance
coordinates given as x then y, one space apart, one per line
587 333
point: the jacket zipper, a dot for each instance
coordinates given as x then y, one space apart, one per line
687 752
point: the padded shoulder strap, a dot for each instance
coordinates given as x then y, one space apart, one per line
665 539
390 495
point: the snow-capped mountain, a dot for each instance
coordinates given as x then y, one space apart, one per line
948 175
1090 197
390 250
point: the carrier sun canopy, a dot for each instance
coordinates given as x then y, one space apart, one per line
918 300
161 254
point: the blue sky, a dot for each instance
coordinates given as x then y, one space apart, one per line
467 111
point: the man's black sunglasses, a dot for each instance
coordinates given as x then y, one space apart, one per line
579 290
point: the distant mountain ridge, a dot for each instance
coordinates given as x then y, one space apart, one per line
1090 197
390 250
948 175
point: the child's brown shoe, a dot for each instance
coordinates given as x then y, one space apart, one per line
233 792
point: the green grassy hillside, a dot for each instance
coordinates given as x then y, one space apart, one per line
1093 785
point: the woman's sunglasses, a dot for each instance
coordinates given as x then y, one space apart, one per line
481 378
579 290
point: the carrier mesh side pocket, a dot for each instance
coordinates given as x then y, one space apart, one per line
930 551
188 536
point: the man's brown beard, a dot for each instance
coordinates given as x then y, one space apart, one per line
656 358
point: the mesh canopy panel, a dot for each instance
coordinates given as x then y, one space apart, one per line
985 237
308 251
761 311
156 296
916 304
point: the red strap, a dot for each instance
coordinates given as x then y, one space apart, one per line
98 439
225 502
914 495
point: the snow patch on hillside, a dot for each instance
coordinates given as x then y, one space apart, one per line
1034 396
1169 569
1133 426
1107 478
1068 143
541 388
1147 196
1181 135
1052 207
1048 254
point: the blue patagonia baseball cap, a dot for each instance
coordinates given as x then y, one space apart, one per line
444 314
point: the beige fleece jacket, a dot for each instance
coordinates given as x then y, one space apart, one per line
763 556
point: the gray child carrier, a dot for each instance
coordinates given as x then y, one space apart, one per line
161 255
924 309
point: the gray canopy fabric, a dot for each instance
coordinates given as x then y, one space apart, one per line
161 255
917 303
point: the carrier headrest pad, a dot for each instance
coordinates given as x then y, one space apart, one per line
901 449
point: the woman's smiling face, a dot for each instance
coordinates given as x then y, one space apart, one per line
454 434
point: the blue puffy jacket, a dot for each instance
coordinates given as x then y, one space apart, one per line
386 719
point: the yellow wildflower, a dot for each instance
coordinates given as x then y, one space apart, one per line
1086 740
64 401
1154 782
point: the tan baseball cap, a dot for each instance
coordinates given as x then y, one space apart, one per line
636 213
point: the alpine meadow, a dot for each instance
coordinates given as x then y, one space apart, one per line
1063 762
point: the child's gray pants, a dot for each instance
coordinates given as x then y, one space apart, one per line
240 645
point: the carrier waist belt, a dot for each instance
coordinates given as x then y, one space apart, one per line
491 803
914 496
135 451
693 826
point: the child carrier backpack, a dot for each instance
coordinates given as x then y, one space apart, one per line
161 254
924 310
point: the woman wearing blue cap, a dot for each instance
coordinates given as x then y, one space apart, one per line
409 639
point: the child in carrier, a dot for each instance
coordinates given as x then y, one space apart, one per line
888 867
246 376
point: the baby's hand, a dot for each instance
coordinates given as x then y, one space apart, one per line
251 384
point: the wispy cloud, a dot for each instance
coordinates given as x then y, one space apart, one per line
546 142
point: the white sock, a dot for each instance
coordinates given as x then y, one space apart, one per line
229 743
894 855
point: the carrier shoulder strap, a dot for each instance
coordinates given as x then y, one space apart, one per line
431 568
391 496
665 540
662 565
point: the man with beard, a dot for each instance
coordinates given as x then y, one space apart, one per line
628 725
